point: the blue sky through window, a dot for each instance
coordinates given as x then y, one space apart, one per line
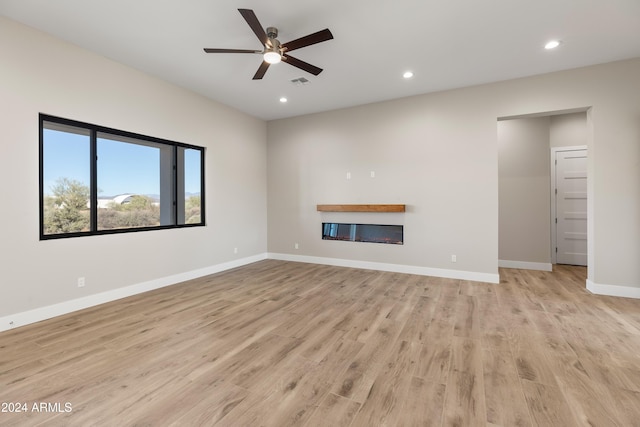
66 155
127 168
122 167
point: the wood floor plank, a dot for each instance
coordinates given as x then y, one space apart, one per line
279 343
424 404
390 388
465 394
502 384
464 400
434 359
369 317
606 369
334 411
547 405
466 356
626 406
532 361
589 402
416 325
493 329
291 401
257 362
358 378
467 322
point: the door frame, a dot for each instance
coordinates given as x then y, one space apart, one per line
554 226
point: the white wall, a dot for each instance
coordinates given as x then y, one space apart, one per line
420 151
568 130
438 154
42 74
524 191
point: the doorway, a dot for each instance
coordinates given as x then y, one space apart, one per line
528 232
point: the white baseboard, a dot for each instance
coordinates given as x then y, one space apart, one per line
524 265
396 268
613 290
43 313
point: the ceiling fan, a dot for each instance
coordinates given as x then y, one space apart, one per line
274 51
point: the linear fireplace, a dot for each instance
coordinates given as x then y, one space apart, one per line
372 233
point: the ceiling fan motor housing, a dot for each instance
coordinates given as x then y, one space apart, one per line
272 32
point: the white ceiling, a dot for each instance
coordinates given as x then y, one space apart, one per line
446 43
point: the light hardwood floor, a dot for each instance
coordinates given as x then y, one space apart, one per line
282 344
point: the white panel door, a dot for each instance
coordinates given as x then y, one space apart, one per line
571 207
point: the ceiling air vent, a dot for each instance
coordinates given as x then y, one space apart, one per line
300 81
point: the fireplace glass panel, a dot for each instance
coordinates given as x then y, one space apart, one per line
371 233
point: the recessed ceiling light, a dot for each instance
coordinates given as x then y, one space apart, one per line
552 44
407 74
283 100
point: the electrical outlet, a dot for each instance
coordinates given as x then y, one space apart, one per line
81 282
454 258
235 250
348 175
296 246
373 174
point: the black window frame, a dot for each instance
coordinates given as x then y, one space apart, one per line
94 130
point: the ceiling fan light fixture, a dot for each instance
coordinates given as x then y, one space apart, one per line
272 57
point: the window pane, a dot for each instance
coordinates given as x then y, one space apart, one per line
192 186
130 194
65 179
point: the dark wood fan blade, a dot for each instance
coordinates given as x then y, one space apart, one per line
320 36
261 70
302 65
255 25
209 50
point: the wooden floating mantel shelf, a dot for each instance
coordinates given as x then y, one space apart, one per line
361 208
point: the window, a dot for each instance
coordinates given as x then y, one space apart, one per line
95 180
